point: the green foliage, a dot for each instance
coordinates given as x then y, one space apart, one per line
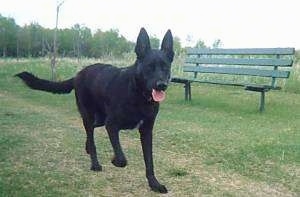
177 46
34 40
200 44
78 41
81 37
293 83
109 43
155 42
8 35
217 44
297 57
34 43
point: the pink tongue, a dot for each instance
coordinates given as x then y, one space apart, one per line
158 96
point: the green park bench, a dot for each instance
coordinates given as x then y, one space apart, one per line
255 69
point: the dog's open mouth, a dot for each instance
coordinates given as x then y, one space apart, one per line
158 95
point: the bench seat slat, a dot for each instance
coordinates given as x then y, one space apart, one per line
240 61
222 82
238 71
242 51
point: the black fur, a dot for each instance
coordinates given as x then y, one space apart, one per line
119 98
45 85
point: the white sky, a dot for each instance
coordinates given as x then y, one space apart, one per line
238 23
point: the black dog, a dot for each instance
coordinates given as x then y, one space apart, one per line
120 98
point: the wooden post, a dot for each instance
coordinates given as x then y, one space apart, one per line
186 89
53 60
188 92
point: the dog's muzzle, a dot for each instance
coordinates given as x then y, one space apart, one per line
161 85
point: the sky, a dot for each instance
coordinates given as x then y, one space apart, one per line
237 23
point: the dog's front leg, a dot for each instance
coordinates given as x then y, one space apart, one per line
119 159
146 140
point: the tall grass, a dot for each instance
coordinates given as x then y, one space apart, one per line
293 83
64 65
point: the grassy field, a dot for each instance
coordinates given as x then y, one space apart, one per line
216 145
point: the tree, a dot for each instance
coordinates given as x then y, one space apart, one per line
189 40
33 40
154 41
81 37
217 44
8 36
53 60
109 43
48 41
35 32
200 44
66 42
177 46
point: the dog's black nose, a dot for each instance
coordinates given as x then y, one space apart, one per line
161 85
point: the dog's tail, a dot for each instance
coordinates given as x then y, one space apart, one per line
36 83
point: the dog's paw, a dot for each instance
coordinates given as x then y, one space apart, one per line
159 188
155 185
120 162
87 151
96 167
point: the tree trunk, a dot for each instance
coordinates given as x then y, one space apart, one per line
53 60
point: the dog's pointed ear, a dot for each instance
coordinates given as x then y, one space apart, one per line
167 45
142 46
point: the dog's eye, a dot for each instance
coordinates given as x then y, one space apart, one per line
152 67
165 68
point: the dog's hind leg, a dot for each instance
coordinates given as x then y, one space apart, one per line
119 159
90 144
88 118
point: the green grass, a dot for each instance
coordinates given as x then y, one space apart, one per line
216 145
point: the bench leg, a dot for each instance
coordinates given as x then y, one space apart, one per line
262 101
188 92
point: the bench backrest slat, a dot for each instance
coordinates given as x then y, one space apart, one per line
238 71
259 62
243 51
240 61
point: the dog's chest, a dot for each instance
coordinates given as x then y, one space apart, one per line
134 116
139 124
